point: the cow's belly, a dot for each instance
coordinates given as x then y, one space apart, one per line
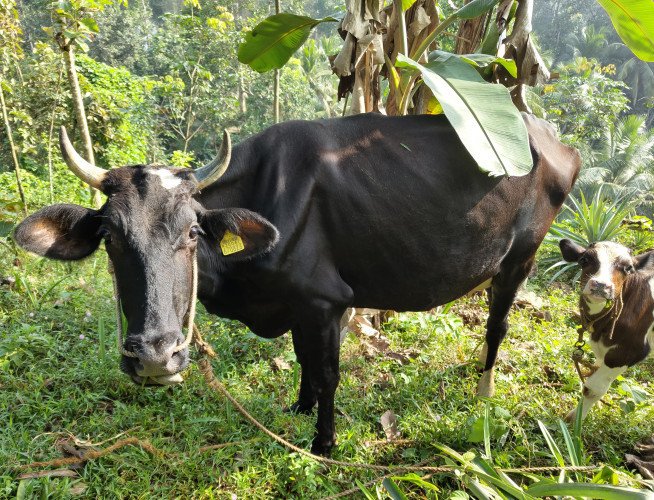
421 276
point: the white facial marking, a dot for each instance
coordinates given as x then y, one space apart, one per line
595 304
168 179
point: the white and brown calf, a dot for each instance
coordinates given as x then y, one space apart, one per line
617 310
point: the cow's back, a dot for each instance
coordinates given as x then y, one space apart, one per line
397 209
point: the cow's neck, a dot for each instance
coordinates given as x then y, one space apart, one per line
234 189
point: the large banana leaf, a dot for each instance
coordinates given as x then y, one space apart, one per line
274 40
634 22
482 114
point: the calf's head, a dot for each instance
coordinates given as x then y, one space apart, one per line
605 266
152 228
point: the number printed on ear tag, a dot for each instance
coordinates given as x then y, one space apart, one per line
231 243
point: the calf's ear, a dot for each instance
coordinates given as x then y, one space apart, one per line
570 250
63 232
644 261
239 234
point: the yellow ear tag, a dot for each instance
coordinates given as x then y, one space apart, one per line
231 243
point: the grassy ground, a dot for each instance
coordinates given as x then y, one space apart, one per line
59 378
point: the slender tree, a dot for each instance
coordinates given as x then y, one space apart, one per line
74 26
10 51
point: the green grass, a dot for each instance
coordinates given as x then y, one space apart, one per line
58 380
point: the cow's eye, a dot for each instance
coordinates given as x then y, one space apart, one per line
193 232
629 269
583 261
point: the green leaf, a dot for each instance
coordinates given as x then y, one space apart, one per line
393 490
484 60
406 4
418 481
551 444
600 491
634 22
91 24
475 8
574 448
482 114
366 492
274 40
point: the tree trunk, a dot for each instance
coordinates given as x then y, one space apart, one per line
471 33
14 157
50 135
80 114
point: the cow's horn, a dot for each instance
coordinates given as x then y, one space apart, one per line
86 171
212 171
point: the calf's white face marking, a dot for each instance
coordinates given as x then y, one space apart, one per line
168 179
611 257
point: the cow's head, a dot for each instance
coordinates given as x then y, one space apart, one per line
152 227
605 267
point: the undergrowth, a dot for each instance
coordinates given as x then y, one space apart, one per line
59 378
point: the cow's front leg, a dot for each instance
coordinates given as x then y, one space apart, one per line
306 398
595 387
320 333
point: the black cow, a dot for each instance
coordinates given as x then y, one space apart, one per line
365 211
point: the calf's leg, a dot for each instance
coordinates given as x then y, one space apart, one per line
595 387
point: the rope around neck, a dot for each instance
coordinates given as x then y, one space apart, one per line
120 333
615 310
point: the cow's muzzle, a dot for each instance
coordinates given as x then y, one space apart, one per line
157 361
599 290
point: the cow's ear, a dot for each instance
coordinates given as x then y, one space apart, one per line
644 261
570 250
239 234
63 232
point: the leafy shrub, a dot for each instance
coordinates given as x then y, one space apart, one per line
584 223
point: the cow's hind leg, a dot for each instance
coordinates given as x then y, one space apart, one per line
502 293
307 398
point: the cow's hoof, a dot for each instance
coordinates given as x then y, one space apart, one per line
299 408
322 449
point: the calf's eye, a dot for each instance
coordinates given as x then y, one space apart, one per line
193 232
629 269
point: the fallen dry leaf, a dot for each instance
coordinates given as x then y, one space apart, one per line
389 424
645 468
78 489
280 364
49 473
